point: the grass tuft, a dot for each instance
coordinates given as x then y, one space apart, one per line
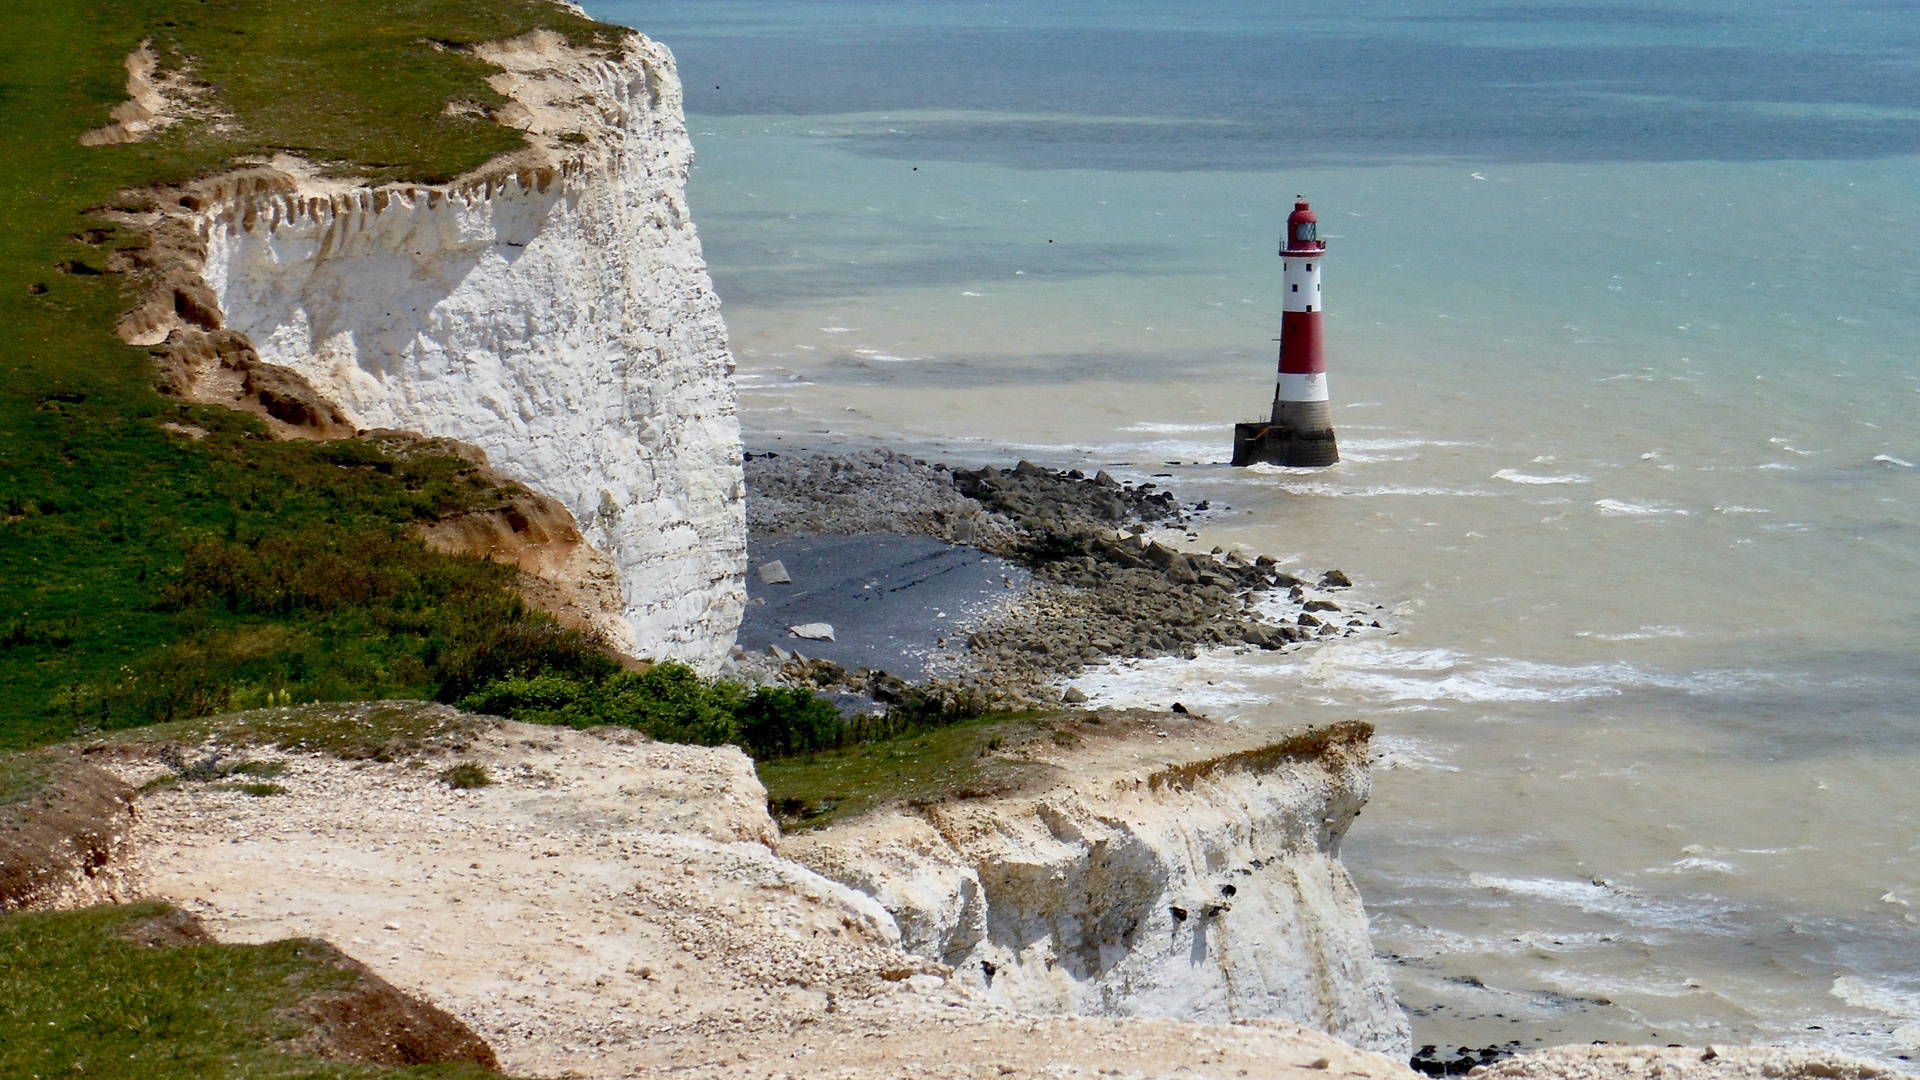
466 775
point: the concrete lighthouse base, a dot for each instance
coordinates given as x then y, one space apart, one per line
1299 437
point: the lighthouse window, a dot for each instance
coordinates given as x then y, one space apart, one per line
1296 288
1309 266
1305 230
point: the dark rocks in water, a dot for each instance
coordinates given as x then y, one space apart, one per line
1334 579
1308 620
1099 589
1073 696
1179 708
1320 605
1030 491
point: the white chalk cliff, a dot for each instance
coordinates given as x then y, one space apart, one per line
552 308
1204 891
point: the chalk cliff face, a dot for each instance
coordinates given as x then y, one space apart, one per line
552 308
1207 891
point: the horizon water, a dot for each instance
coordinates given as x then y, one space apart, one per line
1623 332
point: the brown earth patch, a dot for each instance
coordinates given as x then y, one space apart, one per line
372 1022
65 843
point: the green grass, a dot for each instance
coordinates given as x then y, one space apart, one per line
104 515
356 731
77 999
958 761
22 776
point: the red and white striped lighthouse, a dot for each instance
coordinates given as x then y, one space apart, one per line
1300 434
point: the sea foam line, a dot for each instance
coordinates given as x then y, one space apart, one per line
1515 476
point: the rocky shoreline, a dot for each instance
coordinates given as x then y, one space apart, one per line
1110 578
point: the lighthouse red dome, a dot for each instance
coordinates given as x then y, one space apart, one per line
1303 232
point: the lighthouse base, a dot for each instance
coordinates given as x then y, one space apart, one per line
1287 441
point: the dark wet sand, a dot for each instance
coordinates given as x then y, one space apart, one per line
883 594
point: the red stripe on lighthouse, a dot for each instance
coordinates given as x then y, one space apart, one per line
1300 346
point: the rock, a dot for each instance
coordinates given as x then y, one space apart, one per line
1334 579
1321 605
1073 696
1308 620
774 573
778 653
813 631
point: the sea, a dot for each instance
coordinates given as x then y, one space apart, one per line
1623 332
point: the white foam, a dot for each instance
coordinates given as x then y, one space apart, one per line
1618 508
836 329
1397 444
1515 476
1645 633
1861 994
1213 680
1344 491
1394 752
1172 428
1697 865
1595 898
1390 673
1739 510
1889 459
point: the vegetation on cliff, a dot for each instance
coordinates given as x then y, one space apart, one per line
141 991
160 560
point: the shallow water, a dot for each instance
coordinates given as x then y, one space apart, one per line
1623 313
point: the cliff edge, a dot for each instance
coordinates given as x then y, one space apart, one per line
1165 873
551 308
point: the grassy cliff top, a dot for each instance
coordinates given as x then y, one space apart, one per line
103 510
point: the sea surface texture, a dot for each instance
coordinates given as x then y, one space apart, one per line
1623 318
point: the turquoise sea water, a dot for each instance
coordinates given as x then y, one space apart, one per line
1624 342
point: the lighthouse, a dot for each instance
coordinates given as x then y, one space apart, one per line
1300 434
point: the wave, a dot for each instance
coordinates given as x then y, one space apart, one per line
1889 459
1861 994
1645 633
1160 428
1344 491
1392 752
1212 680
1515 476
1392 673
1596 897
1618 508
1398 444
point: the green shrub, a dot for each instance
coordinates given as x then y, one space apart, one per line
670 702
780 722
667 701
